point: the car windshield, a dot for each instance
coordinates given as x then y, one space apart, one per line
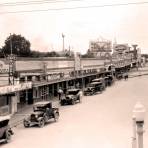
38 108
72 92
3 123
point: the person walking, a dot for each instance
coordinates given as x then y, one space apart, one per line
60 92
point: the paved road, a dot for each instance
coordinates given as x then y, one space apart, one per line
100 121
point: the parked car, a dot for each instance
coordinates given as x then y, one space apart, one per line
90 90
42 113
109 80
72 96
97 87
101 82
5 130
119 75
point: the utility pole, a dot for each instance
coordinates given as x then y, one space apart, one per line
63 36
11 58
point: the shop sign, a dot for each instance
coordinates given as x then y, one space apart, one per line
15 88
3 67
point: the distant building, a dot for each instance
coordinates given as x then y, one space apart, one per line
100 47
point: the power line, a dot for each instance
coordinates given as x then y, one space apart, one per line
36 2
72 8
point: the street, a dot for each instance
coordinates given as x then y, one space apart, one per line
100 121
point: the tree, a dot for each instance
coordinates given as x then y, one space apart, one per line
20 46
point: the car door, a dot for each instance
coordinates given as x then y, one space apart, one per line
3 128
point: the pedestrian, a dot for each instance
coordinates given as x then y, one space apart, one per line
60 92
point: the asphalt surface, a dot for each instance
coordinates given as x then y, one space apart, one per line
103 120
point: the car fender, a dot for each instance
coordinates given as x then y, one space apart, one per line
26 119
40 118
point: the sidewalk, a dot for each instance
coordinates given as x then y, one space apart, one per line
18 117
141 71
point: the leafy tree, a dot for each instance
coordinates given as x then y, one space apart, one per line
20 46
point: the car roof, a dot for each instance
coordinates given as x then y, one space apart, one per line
98 79
95 83
2 118
43 103
74 89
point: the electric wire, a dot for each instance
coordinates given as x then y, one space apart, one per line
37 2
73 8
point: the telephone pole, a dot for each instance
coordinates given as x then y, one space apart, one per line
12 67
63 36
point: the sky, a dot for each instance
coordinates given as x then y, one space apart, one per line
125 24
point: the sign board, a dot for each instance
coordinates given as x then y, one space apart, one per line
15 88
100 46
121 48
3 67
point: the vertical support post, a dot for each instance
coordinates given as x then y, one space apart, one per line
66 85
47 91
26 91
63 36
53 90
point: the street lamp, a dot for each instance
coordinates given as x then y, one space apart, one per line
139 113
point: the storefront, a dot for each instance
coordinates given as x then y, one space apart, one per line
10 97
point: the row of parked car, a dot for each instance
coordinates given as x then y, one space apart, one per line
44 111
98 85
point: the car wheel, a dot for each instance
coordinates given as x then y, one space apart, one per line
8 136
26 124
73 102
56 117
61 103
80 99
41 123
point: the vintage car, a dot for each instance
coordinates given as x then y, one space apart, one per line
90 90
5 130
101 82
71 97
42 113
119 75
109 80
97 87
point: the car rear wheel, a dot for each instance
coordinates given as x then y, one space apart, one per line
61 103
41 123
26 124
56 117
8 136
80 99
73 102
